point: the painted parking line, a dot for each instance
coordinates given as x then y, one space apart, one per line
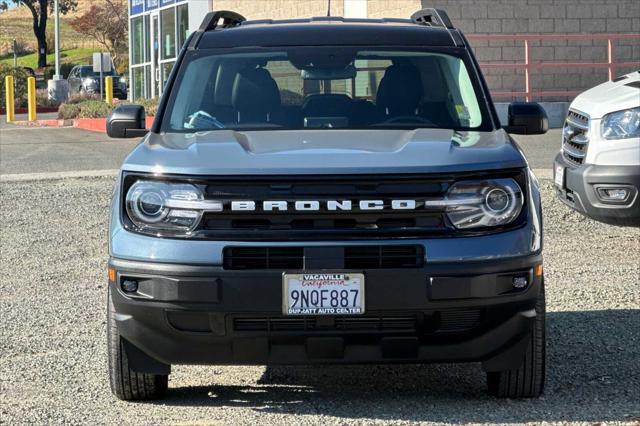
23 128
25 177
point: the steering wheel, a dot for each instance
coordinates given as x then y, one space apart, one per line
408 118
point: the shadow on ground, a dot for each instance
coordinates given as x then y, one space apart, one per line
580 386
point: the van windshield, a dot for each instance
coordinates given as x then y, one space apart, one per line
337 87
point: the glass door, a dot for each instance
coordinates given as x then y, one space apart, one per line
154 29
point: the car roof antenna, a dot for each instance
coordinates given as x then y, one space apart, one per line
328 7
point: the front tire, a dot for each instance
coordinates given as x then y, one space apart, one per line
126 384
527 381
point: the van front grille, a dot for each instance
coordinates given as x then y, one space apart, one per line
575 137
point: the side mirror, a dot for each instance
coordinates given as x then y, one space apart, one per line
126 121
527 118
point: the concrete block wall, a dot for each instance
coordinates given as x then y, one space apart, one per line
547 17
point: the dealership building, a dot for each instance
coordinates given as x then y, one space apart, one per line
158 29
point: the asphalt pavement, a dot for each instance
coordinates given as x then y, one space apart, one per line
53 251
58 149
53 150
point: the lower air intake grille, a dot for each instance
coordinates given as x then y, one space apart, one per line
355 257
458 320
365 324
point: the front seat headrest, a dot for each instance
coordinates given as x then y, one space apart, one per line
400 90
255 94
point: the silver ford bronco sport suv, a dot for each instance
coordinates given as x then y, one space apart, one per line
326 190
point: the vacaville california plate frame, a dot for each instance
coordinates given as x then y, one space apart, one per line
288 275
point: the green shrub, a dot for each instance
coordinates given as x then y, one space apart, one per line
49 72
94 109
150 105
20 84
68 111
90 106
80 97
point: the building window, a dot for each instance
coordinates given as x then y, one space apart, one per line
138 82
137 40
147 42
168 33
183 24
148 81
166 71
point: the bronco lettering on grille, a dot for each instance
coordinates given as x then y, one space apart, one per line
331 205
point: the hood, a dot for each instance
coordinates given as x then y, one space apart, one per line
621 93
282 152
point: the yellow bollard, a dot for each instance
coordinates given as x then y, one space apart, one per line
108 89
31 97
10 99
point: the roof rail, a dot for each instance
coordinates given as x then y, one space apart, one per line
229 19
433 18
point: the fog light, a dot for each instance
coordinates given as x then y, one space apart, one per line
613 194
130 286
519 282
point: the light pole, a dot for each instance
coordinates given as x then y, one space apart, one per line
57 42
58 89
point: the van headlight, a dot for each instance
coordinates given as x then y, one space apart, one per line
157 207
483 203
621 124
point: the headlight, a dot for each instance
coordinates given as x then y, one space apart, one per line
492 202
155 207
621 124
122 80
90 81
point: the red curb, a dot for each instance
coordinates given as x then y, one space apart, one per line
100 124
91 124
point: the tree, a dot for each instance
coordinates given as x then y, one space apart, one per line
107 24
40 10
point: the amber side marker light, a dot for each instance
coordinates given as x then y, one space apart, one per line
112 275
538 270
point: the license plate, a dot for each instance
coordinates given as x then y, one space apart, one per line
559 176
323 293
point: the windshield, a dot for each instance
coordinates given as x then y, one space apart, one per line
89 72
337 87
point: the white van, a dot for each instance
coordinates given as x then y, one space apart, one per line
597 171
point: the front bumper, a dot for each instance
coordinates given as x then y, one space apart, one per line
579 190
444 312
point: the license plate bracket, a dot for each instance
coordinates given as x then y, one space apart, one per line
323 293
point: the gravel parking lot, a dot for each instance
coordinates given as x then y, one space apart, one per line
53 300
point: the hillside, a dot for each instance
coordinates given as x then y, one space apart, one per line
16 23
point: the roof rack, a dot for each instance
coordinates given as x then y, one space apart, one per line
229 19
432 18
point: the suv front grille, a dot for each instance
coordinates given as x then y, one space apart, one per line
324 223
575 137
332 206
355 257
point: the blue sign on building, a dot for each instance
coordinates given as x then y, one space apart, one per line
151 4
137 6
